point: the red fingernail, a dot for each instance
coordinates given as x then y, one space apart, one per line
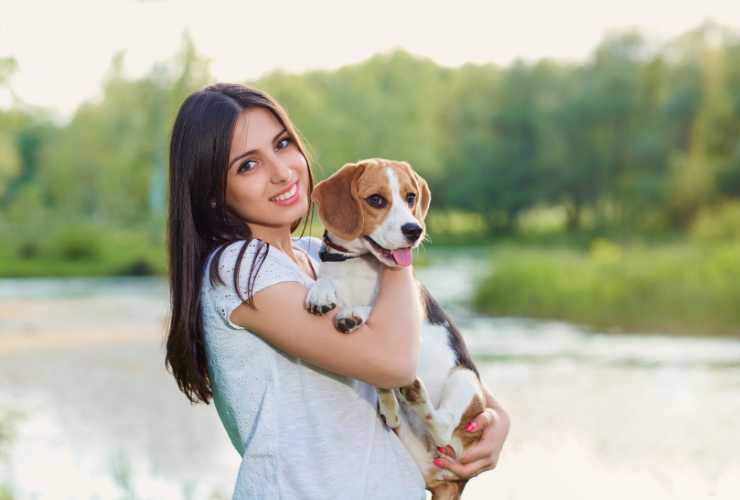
470 427
439 462
441 450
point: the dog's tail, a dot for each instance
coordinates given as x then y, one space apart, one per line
449 490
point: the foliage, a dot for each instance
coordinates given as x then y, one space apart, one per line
679 288
635 141
717 224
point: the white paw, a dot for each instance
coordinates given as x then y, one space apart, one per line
351 318
440 428
388 409
391 418
321 297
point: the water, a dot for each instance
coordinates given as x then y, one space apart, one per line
96 416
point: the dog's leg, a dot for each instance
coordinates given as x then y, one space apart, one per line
462 400
349 319
450 490
389 407
438 427
461 395
321 297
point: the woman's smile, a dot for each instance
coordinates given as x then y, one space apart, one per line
287 196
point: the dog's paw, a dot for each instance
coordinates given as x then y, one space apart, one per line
391 419
321 297
347 324
349 320
388 408
448 451
413 392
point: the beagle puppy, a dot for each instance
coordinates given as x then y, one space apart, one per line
374 214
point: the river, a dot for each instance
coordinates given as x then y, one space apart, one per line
594 415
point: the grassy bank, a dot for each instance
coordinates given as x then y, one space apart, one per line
6 437
681 288
82 250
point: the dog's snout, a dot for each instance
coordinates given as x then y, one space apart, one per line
411 231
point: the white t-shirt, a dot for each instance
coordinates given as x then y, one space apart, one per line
303 433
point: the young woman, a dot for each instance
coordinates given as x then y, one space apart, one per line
295 396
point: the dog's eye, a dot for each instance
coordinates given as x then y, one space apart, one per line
376 201
410 199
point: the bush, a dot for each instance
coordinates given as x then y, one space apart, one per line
717 224
681 288
455 226
77 242
82 250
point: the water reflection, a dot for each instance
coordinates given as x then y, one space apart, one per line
594 415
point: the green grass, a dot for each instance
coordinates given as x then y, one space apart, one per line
81 250
6 438
679 288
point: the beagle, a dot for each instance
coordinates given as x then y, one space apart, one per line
374 214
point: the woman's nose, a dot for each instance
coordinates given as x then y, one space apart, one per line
281 171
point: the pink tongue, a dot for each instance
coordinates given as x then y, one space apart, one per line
402 256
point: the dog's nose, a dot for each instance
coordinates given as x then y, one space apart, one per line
411 231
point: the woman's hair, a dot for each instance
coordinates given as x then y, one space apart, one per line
199 221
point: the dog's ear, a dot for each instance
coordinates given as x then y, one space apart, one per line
339 207
424 196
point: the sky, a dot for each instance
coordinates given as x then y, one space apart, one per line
63 48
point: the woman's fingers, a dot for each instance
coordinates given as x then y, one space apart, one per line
464 471
483 420
492 440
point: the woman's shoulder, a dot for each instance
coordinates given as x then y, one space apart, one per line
244 254
309 244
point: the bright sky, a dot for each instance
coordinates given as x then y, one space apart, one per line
63 48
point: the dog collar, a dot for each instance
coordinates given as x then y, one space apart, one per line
326 256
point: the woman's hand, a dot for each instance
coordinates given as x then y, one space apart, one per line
483 455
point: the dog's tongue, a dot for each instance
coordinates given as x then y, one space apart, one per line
402 256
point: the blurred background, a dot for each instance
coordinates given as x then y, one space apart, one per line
584 161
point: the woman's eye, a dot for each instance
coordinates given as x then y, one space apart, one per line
376 201
410 199
284 142
246 166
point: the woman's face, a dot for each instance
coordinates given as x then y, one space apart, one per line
267 175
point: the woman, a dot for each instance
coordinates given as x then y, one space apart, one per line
295 396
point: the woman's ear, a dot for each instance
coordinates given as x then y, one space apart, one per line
339 208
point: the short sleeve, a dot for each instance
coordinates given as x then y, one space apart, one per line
271 267
311 246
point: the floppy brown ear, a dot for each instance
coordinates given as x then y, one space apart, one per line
425 198
339 208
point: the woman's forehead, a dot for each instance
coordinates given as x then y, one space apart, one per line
255 128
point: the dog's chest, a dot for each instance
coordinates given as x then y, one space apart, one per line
356 281
436 359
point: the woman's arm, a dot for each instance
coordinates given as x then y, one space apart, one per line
384 351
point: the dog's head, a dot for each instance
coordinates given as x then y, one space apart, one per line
376 204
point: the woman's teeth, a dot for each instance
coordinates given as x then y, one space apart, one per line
287 194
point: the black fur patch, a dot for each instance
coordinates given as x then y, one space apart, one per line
437 316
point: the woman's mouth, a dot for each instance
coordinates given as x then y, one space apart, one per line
287 197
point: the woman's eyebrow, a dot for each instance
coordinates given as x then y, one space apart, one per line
254 150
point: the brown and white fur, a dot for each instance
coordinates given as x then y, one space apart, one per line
433 411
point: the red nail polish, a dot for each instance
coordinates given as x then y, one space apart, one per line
438 462
441 450
470 427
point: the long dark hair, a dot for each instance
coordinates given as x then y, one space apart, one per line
199 221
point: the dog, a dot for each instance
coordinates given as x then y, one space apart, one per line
374 212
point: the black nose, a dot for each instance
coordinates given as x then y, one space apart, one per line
411 231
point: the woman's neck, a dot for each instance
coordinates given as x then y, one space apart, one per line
276 236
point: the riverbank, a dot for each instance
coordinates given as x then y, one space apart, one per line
680 288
